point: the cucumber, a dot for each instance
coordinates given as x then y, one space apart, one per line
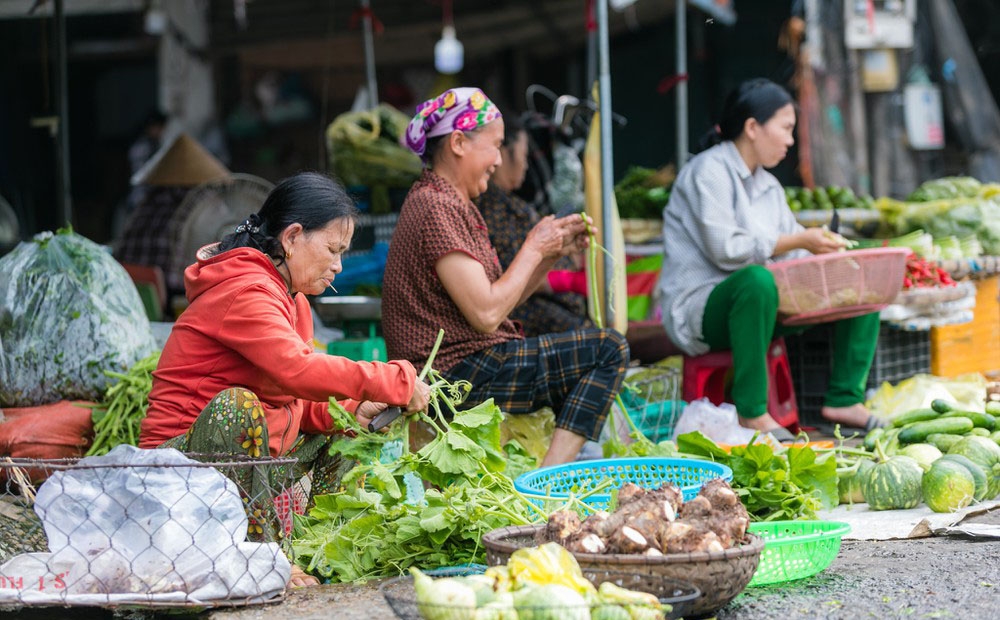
876 433
980 420
942 441
993 407
916 415
942 406
918 431
891 440
982 432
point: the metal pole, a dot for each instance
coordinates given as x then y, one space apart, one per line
680 35
607 160
62 115
369 42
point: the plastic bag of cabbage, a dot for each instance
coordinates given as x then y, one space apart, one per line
68 313
538 583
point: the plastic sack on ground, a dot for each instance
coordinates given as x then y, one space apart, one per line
143 526
719 423
967 391
68 312
55 431
365 150
533 431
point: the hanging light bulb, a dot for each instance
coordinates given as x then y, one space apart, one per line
449 54
155 19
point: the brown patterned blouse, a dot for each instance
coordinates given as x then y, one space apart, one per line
434 221
509 220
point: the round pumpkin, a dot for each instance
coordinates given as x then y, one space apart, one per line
893 484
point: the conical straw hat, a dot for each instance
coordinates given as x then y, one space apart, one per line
184 163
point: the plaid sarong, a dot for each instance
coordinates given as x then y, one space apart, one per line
576 373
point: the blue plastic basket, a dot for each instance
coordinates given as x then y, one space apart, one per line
553 485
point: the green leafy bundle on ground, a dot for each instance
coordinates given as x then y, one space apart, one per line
381 523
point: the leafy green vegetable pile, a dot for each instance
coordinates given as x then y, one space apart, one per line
118 416
641 194
774 484
946 187
951 207
68 312
382 523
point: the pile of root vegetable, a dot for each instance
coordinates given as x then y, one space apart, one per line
655 522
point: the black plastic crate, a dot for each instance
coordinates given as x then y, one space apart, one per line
899 355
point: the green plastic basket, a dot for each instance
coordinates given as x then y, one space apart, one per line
796 549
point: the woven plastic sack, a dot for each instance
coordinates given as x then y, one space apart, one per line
68 312
364 148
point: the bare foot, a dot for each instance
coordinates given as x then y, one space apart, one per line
300 579
854 415
763 423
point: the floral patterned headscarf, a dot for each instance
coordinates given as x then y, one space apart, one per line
463 109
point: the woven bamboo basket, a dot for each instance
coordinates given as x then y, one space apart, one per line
720 575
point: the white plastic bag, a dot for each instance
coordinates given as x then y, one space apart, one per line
143 525
720 423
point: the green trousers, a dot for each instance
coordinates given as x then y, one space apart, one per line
741 316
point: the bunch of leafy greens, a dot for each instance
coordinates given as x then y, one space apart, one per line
641 195
375 527
787 483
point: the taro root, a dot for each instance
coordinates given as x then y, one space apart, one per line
648 525
720 494
728 518
629 493
604 524
671 494
627 540
562 524
655 522
585 542
680 537
696 508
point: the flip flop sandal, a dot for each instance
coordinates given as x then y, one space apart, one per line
874 422
782 434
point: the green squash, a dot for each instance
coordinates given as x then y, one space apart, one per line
947 487
849 484
978 475
893 483
983 452
923 453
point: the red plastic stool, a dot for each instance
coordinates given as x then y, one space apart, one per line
709 376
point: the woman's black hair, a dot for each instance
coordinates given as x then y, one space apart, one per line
432 148
512 128
311 199
758 99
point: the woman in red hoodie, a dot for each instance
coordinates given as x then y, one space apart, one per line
239 373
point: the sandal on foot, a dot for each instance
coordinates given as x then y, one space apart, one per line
782 434
874 423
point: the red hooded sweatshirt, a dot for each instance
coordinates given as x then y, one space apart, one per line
242 328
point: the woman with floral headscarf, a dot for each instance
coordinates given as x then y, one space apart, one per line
442 272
